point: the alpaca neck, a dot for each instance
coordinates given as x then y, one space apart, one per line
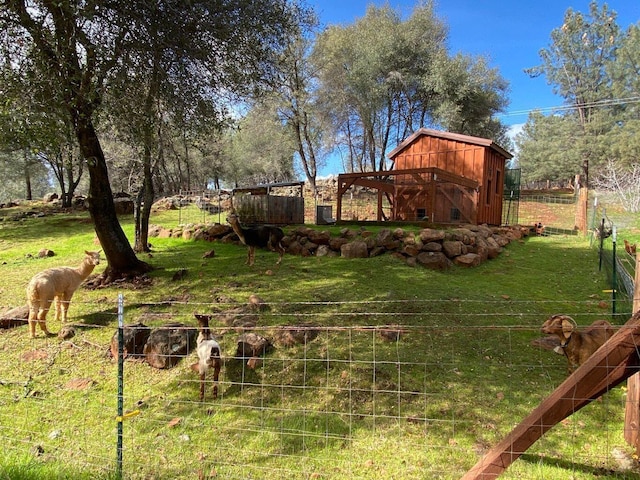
85 269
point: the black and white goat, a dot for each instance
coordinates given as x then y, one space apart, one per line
261 236
209 355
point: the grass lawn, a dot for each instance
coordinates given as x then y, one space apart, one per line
348 404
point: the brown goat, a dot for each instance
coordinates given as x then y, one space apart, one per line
59 284
577 345
209 353
262 236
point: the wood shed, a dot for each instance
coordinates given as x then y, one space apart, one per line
259 205
440 177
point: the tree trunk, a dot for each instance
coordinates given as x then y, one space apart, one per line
27 176
120 256
143 207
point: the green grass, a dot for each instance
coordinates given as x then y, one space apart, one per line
346 405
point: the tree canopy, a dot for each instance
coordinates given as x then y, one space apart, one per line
77 51
382 78
593 65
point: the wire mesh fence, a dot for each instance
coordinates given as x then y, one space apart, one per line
616 259
409 389
555 211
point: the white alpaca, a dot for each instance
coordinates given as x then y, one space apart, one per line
57 283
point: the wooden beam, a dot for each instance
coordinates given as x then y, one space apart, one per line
632 407
614 362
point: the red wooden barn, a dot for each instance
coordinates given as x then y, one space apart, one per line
439 176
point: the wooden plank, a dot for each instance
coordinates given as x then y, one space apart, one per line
612 363
632 407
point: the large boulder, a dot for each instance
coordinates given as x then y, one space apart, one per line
319 238
253 345
14 317
453 248
355 249
385 237
434 260
336 243
168 344
134 338
468 260
431 235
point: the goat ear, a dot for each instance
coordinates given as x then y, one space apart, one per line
567 328
194 367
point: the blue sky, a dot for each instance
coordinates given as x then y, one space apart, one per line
508 32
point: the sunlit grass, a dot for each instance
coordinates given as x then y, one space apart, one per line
346 405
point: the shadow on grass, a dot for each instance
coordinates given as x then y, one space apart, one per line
597 472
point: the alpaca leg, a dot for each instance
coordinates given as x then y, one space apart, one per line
252 255
248 261
42 321
58 302
33 320
64 303
42 315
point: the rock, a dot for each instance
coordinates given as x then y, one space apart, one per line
179 275
257 303
431 235
66 332
411 250
355 249
134 338
296 335
453 248
375 251
319 238
390 333
434 260
15 317
384 237
336 243
398 233
252 345
432 247
168 344
468 260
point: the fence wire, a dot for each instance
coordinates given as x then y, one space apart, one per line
616 260
414 389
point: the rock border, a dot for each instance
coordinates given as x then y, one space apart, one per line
437 249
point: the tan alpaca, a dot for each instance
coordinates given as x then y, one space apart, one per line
57 283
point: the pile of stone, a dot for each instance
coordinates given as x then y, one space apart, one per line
467 245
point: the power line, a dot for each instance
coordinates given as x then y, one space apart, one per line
561 108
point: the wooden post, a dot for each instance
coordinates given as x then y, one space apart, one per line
581 210
632 407
614 362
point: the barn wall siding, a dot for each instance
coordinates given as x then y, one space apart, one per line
475 159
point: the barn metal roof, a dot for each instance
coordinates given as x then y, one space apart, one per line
485 142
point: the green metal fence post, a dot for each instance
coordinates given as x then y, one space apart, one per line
120 384
614 280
